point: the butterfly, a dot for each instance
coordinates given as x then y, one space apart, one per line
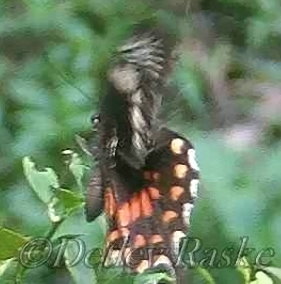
146 176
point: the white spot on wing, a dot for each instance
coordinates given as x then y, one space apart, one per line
115 257
187 208
112 258
180 171
194 188
163 259
177 236
192 159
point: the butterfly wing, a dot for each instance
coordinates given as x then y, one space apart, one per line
94 202
148 177
146 224
132 101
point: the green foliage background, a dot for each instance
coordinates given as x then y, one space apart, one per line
225 96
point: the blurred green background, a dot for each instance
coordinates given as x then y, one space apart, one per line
225 96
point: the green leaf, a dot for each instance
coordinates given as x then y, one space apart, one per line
206 275
77 268
10 243
8 270
148 278
76 166
69 199
245 269
42 182
63 204
262 278
275 271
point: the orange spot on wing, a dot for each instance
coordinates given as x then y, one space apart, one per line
144 264
139 241
123 214
169 216
156 239
135 208
177 146
146 206
180 170
154 193
124 232
176 192
113 236
110 204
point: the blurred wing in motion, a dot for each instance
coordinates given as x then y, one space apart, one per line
129 109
